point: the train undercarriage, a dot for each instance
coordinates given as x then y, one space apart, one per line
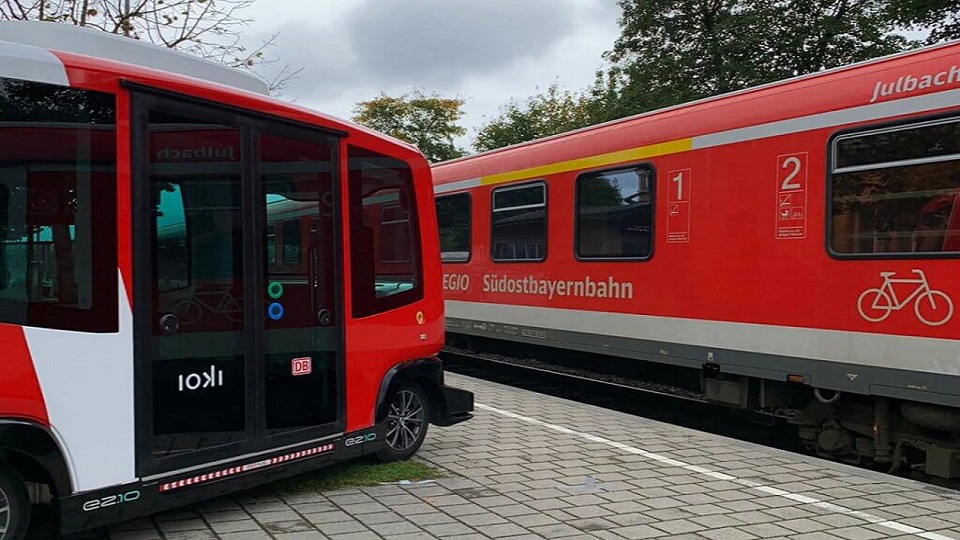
896 435
891 435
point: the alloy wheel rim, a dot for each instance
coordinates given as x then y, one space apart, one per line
405 420
4 514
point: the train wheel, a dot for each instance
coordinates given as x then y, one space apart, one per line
14 505
407 420
875 305
933 308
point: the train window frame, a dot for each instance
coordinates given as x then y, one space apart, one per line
383 222
271 250
653 213
546 218
470 222
287 227
830 170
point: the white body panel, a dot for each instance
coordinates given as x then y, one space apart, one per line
87 385
30 63
941 356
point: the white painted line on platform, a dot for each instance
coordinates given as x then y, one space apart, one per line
769 490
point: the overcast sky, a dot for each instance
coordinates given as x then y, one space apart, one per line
485 52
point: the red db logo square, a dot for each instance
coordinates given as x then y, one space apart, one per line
302 366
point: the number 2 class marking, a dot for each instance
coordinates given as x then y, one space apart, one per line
791 201
788 184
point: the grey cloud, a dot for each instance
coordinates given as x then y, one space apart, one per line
436 43
449 46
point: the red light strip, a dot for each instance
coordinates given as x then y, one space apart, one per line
192 481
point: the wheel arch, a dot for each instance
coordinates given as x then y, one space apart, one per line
426 372
34 453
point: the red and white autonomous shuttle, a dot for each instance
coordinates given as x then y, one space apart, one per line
197 290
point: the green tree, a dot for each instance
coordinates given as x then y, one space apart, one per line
940 17
428 122
675 51
208 28
599 192
548 113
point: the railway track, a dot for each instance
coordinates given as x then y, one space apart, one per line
660 402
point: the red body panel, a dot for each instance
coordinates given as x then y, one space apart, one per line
733 266
20 395
375 343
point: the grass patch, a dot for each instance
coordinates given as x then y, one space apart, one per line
353 474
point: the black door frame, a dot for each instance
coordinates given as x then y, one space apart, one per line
250 124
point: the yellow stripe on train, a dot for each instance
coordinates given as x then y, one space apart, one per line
621 156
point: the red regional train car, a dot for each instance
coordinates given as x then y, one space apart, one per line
795 244
188 302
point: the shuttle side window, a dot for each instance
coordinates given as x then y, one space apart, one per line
58 226
519 223
453 218
614 216
896 191
384 236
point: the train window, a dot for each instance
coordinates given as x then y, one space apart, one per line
291 241
453 219
897 191
395 231
173 250
271 244
614 217
384 236
58 260
520 223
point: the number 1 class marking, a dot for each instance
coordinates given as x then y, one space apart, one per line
678 209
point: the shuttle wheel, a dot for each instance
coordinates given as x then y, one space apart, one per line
407 420
14 505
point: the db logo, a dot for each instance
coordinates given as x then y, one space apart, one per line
301 366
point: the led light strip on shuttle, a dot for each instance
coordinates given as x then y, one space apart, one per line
232 471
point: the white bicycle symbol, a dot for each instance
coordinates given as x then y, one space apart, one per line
883 301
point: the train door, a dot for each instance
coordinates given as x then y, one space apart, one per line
235 355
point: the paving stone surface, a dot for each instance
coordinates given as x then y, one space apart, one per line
532 466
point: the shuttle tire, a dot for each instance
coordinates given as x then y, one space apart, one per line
15 505
408 416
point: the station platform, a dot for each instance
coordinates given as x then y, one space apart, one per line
534 466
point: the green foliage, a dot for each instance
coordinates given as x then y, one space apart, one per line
676 51
352 474
428 122
554 111
940 17
600 192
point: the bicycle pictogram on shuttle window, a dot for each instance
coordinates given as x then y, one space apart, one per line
931 306
217 300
